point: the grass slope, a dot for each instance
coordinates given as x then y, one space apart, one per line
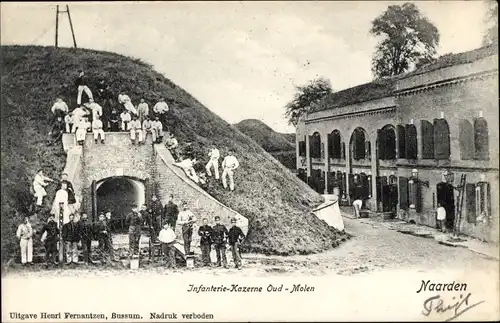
277 204
277 144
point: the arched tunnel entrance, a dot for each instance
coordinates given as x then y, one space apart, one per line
117 195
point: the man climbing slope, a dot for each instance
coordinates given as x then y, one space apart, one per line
39 183
81 83
213 162
229 165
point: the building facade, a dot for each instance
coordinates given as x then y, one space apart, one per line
404 144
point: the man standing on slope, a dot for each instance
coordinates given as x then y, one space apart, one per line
161 109
187 219
60 108
143 110
81 83
229 164
25 235
213 162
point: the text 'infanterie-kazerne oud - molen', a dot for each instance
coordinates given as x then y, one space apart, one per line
236 288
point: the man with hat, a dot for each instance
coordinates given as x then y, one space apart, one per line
187 219
86 234
235 236
50 237
135 222
219 237
171 212
205 232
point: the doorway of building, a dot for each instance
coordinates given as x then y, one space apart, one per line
387 193
117 195
446 197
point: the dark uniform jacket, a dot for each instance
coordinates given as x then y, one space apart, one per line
171 211
205 232
219 234
103 90
134 220
71 232
52 231
71 191
235 235
81 80
86 230
101 230
156 207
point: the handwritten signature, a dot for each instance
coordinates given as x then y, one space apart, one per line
460 306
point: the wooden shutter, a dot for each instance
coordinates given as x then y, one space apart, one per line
93 194
411 142
343 150
381 139
470 202
351 185
368 150
401 141
311 147
441 139
403 193
481 142
466 139
344 183
329 139
427 140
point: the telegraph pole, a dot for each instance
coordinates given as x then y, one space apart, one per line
70 25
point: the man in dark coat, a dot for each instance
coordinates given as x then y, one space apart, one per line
105 99
86 233
171 212
114 121
219 237
235 237
52 237
135 221
102 233
69 188
81 84
205 232
156 211
71 237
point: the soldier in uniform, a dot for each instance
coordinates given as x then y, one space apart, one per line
50 236
219 237
86 232
187 219
135 222
156 211
205 232
102 232
171 212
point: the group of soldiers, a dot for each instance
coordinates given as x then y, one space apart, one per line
106 115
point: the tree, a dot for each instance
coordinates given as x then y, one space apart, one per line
491 36
407 39
305 97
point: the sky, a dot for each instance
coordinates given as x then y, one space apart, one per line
240 59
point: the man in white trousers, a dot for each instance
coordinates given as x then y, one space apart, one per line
157 129
126 118
214 156
25 235
39 183
143 110
94 108
229 164
135 129
81 131
81 83
97 130
127 103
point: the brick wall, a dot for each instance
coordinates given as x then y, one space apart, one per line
117 157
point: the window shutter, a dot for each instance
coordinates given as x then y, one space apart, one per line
466 139
411 142
402 141
481 143
470 200
441 139
351 185
94 200
427 140
403 193
381 137
343 150
368 151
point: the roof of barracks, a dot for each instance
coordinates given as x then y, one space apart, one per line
387 87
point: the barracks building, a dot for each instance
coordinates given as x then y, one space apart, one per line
402 144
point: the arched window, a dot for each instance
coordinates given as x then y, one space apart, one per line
441 139
315 145
481 142
411 142
466 139
401 141
335 145
387 143
427 140
358 144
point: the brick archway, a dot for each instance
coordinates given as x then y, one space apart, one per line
117 172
